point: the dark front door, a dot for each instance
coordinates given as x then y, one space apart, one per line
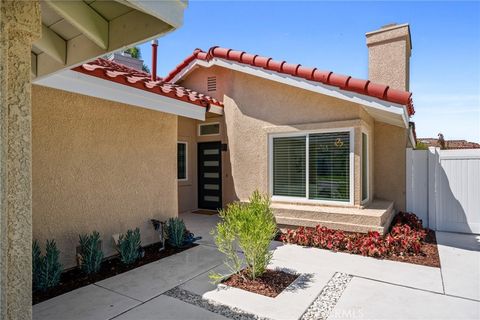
209 175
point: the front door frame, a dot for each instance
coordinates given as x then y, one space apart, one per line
201 180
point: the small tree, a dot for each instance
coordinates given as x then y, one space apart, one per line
91 254
250 227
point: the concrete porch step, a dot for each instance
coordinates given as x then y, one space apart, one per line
376 217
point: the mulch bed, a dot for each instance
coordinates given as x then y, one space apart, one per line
74 278
429 256
270 284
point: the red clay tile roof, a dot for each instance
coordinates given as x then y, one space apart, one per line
347 83
112 71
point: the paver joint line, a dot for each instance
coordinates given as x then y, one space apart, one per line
162 293
408 287
119 293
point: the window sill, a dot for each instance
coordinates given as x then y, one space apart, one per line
295 200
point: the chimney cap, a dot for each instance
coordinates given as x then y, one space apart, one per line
154 42
389 32
388 25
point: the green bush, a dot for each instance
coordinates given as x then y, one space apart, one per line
46 269
176 232
130 246
91 254
249 227
36 262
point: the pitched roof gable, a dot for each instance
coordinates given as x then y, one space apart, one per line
347 83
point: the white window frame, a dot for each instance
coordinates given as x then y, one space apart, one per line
306 134
363 201
207 124
186 160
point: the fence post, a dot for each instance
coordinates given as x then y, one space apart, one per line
432 186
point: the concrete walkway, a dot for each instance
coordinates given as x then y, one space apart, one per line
380 289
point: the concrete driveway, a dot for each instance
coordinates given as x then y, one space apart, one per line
379 289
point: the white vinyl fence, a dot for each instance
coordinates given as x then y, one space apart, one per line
443 188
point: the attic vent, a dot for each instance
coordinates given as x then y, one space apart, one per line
212 84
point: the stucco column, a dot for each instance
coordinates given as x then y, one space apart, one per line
20 25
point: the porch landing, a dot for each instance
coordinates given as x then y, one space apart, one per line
375 217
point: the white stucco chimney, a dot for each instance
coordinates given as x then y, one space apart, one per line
389 50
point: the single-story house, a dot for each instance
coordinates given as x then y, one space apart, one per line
114 147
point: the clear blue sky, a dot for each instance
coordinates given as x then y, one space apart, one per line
445 63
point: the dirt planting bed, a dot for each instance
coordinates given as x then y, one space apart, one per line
75 278
270 284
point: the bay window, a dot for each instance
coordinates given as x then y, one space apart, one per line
312 166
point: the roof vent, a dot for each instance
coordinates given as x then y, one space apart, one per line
212 84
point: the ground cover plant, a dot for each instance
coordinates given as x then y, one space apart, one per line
407 241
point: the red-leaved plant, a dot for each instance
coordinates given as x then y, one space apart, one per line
405 238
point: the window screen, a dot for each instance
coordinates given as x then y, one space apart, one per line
329 166
289 166
209 129
181 160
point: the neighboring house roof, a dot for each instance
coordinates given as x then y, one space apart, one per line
112 71
450 144
364 87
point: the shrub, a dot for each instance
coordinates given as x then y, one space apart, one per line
250 226
36 262
176 232
130 246
46 269
91 254
409 219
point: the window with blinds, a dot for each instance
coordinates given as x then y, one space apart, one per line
289 166
181 160
329 166
322 159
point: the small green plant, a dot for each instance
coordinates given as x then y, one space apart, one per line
36 262
176 232
91 254
130 246
46 269
249 227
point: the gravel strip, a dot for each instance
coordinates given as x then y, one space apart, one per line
327 299
197 300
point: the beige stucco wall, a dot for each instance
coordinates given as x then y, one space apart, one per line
256 107
390 163
99 165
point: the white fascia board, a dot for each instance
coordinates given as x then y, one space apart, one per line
77 82
398 112
169 11
215 109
